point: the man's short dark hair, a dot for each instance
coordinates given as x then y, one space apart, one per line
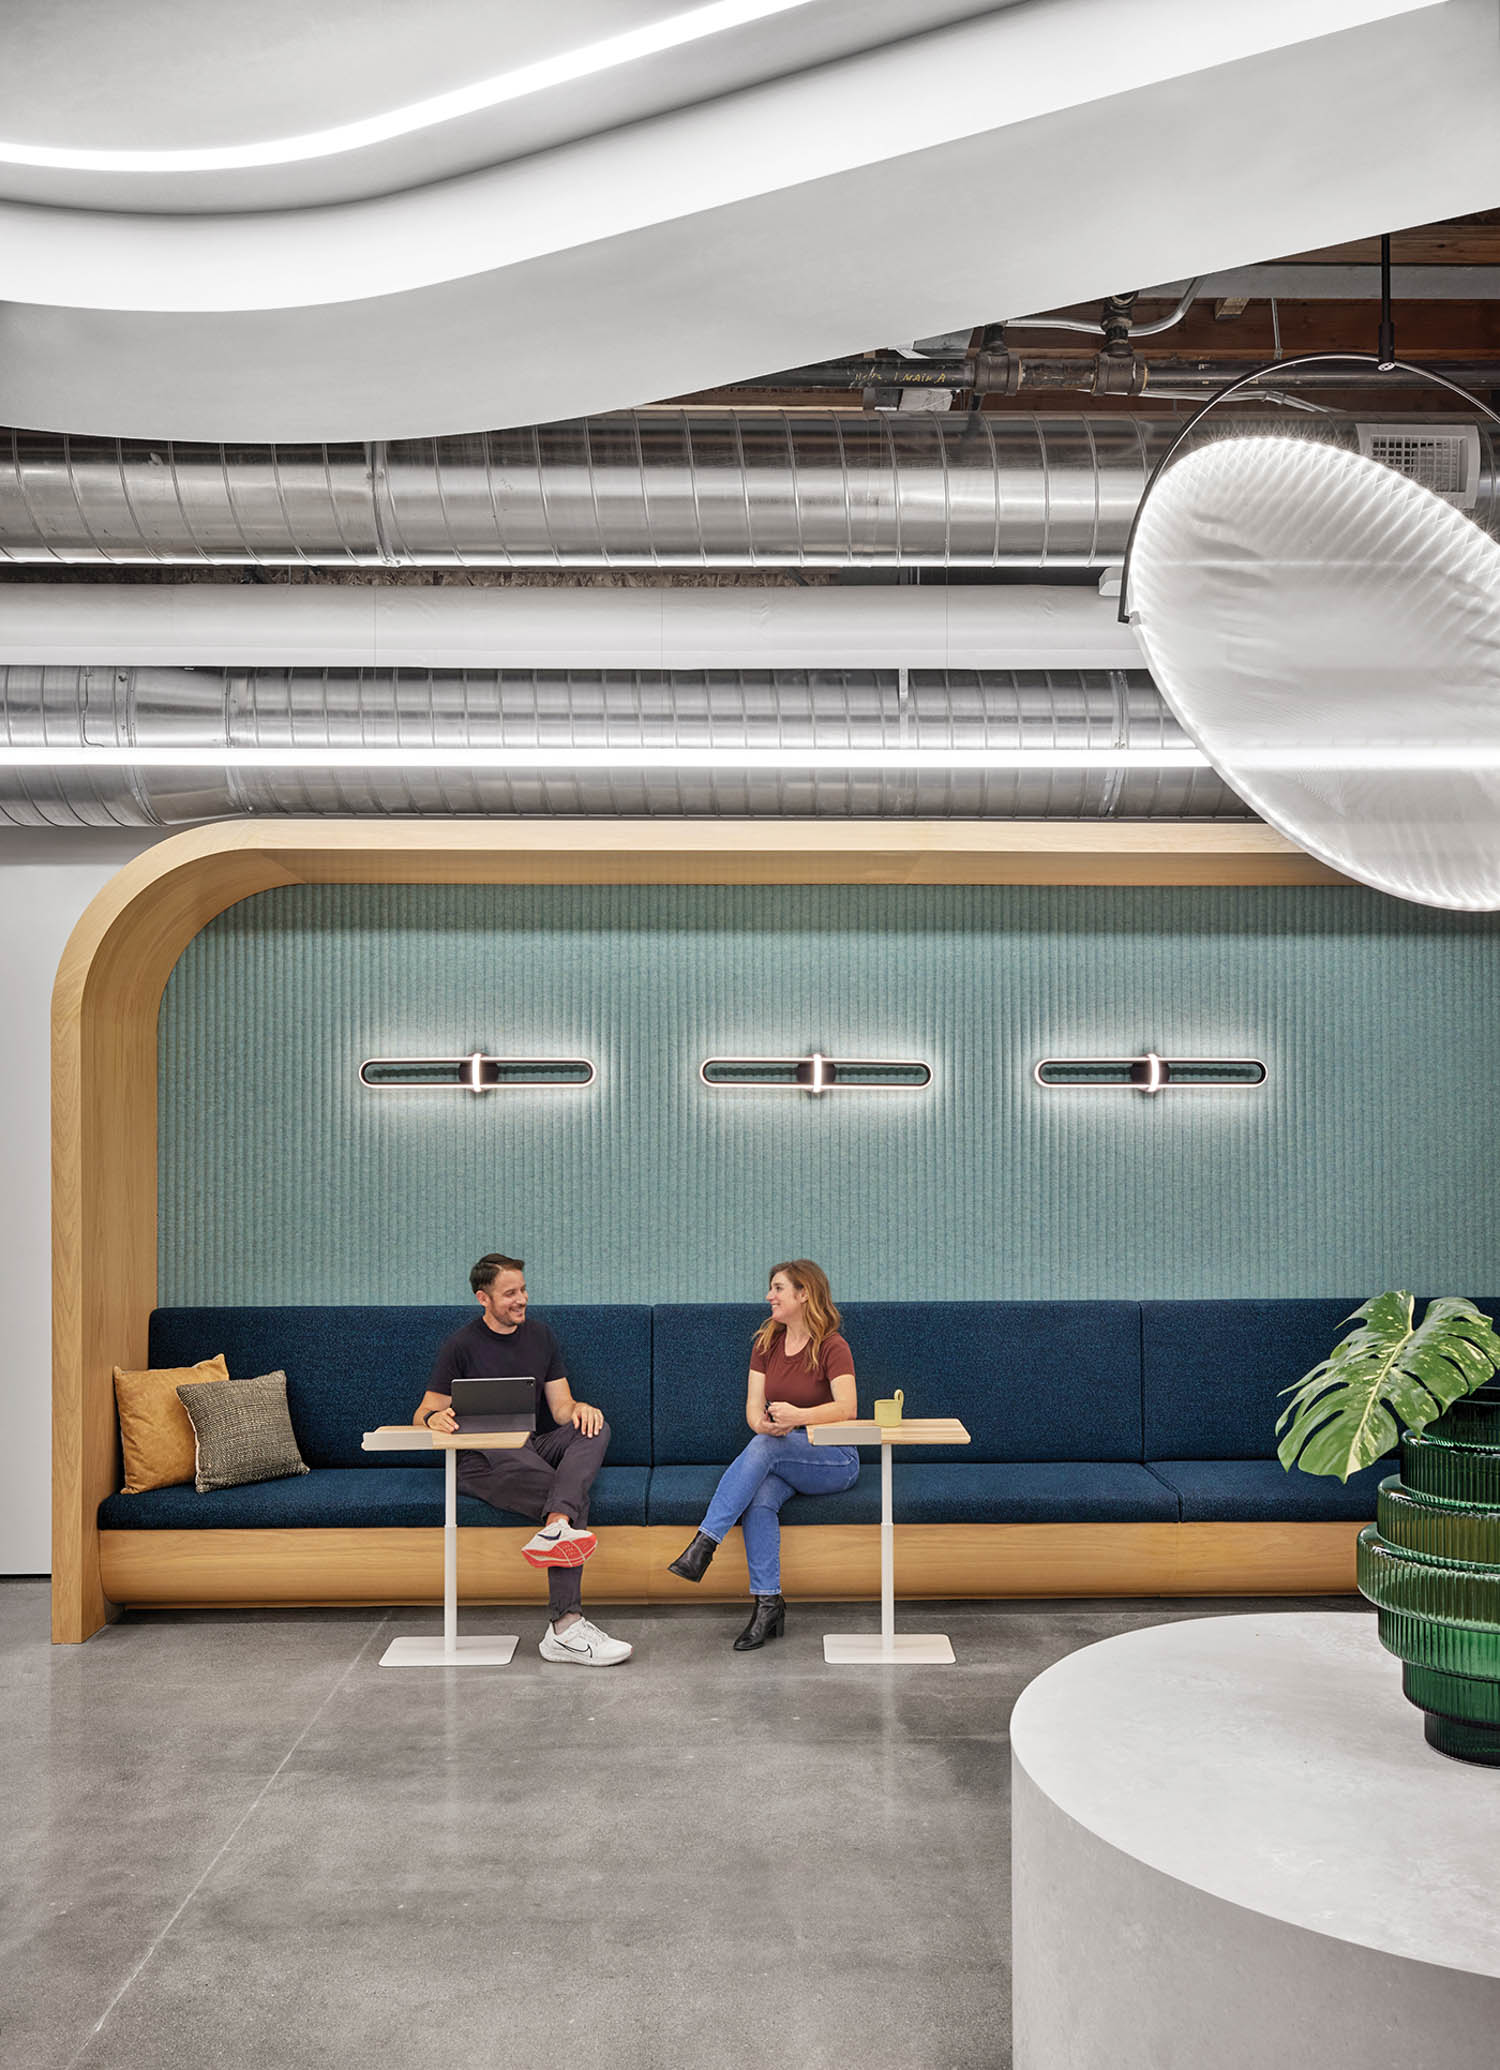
490 1267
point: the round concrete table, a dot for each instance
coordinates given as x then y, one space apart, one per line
1233 1847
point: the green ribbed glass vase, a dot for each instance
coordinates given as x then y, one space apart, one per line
1430 1564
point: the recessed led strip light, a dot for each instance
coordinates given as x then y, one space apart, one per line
476 1073
506 759
1150 1073
815 1074
605 55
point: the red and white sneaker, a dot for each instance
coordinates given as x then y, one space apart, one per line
559 1545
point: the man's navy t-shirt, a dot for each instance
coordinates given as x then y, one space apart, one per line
476 1352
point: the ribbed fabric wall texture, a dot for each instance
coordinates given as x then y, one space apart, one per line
1367 1161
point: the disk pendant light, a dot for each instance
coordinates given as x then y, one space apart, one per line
1328 632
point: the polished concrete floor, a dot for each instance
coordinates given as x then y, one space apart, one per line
233 1841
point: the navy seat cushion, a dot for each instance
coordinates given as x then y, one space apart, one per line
1035 1492
701 1354
1256 1491
329 1496
349 1369
1030 1380
1214 1371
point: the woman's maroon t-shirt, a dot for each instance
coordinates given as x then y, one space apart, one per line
794 1380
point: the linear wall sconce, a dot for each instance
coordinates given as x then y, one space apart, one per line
1150 1073
474 1074
815 1074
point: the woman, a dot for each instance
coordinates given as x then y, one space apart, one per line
801 1372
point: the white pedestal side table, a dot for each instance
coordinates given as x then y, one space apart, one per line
1233 1847
488 1649
889 1648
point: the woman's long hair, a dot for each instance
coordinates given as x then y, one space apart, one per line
818 1312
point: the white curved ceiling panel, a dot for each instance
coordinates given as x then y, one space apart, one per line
971 172
367 97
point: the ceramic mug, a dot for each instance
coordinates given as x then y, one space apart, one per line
888 1412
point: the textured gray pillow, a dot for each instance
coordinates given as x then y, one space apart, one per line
246 1436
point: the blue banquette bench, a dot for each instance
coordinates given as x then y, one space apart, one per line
1117 1447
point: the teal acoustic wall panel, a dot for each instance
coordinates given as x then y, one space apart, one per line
1366 1161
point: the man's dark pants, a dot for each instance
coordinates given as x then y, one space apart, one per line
553 1471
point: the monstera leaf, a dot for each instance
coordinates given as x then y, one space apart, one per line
1384 1377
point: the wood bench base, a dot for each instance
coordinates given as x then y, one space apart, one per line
831 1562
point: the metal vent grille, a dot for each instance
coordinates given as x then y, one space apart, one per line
1447 462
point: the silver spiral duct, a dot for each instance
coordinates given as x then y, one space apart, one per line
656 489
65 711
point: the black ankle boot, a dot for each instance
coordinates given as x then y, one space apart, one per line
692 1564
767 1621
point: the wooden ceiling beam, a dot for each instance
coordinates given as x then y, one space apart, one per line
1427 330
1436 244
1424 330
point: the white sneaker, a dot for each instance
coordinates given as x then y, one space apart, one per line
584 1645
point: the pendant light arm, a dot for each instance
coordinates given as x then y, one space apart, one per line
1385 344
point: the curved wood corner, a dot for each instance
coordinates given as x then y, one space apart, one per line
104 1011
117 961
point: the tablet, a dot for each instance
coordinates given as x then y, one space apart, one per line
495 1404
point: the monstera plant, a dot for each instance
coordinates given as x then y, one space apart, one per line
1390 1374
1430 1563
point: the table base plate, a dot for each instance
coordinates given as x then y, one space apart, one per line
483 1650
908 1649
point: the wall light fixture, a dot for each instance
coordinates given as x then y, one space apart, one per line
815 1074
474 1074
1150 1073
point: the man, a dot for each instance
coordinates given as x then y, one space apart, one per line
551 1474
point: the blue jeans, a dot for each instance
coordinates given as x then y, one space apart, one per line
752 1490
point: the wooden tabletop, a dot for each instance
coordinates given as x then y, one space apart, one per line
415 1437
912 1430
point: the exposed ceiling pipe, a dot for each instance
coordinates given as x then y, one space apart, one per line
659 489
1000 371
246 625
1132 329
1205 376
655 489
153 747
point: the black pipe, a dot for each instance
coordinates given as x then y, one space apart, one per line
1000 373
1198 374
987 373
867 373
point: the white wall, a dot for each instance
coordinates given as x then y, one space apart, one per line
46 880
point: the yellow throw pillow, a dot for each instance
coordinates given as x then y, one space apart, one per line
155 1432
